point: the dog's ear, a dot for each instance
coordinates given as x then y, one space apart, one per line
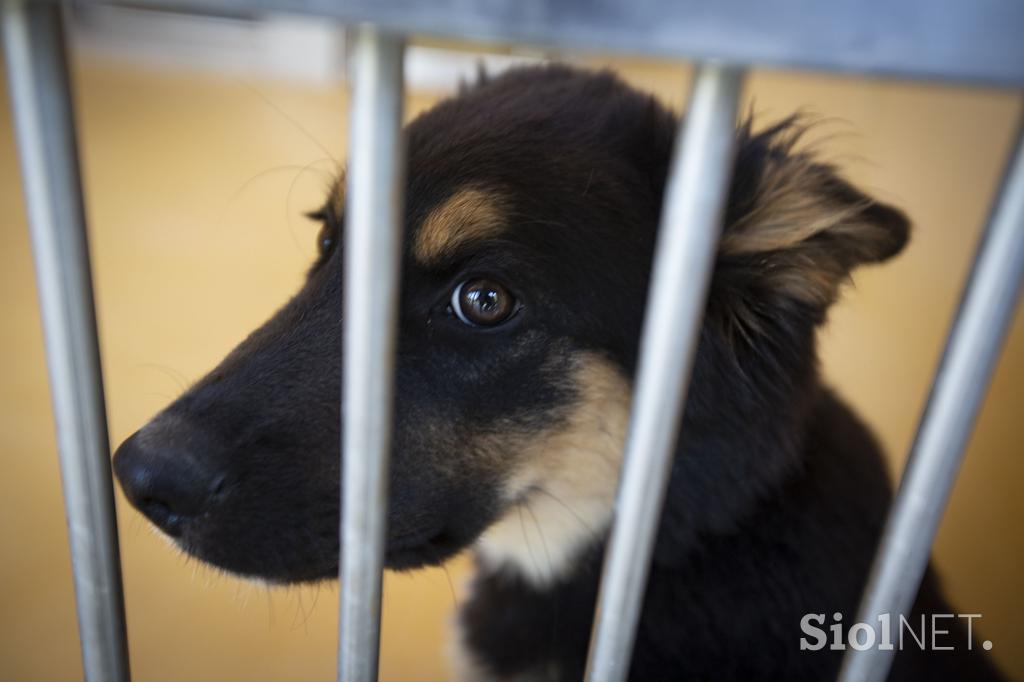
794 229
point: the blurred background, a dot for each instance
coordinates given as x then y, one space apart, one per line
204 141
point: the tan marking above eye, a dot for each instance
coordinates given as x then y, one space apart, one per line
466 216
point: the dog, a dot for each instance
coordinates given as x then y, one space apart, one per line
532 207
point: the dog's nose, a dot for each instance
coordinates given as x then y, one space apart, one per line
163 482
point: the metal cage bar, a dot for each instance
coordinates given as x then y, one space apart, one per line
373 234
691 220
37 75
959 387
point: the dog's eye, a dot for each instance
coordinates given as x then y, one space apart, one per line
325 240
483 303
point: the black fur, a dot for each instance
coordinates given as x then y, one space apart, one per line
777 494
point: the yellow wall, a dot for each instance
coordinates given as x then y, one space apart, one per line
195 187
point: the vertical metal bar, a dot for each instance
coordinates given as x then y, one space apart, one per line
960 384
684 258
44 124
372 257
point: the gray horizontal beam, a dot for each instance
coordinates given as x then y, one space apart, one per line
975 41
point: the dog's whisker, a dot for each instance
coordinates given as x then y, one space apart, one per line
540 534
451 586
271 614
236 195
288 200
300 610
316 600
179 379
526 538
299 169
582 522
298 126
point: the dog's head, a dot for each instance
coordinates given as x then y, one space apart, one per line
532 206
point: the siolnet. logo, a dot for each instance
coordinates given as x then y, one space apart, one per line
934 632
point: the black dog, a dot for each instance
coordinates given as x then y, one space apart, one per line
532 209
